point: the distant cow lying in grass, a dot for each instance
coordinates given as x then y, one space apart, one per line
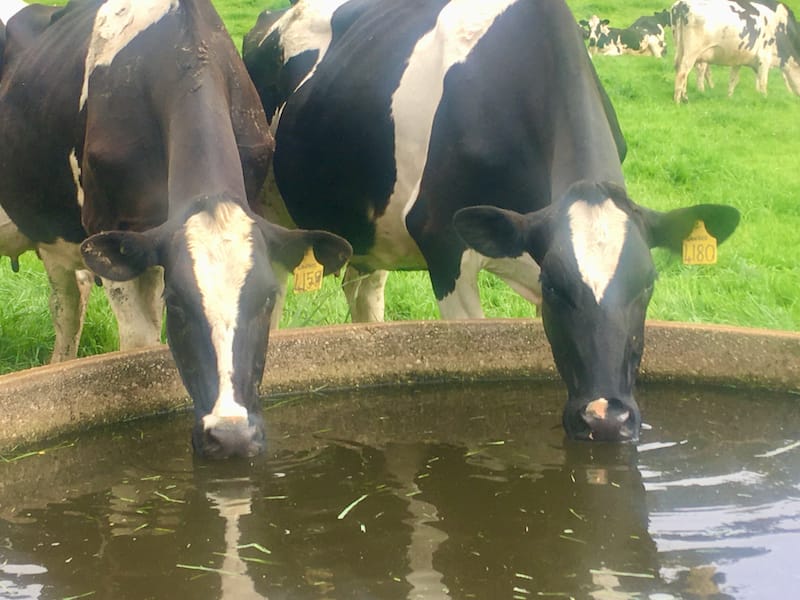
644 37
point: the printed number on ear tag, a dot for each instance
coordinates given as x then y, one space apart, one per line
308 274
700 248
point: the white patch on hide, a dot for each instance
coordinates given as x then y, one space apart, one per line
460 26
116 24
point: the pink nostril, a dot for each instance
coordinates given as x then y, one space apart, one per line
597 409
608 420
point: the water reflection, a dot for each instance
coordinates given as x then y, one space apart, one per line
442 496
233 499
405 465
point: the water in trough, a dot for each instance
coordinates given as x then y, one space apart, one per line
429 492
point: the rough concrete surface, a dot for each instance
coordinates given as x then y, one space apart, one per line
47 401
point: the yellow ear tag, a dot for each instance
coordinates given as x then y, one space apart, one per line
308 274
700 248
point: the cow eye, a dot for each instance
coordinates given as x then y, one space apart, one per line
271 299
175 312
554 294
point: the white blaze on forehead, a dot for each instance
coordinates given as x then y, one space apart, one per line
598 234
221 248
460 26
116 24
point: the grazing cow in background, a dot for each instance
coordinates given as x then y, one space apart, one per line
134 142
455 136
737 33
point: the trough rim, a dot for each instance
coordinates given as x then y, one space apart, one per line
65 398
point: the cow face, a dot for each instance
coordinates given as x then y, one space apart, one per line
597 276
593 29
219 290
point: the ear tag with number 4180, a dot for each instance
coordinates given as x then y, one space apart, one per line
700 248
308 274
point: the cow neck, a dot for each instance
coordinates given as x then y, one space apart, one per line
584 147
201 144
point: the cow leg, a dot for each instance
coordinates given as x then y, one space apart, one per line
703 74
733 81
69 294
138 306
682 69
464 302
707 75
365 294
521 275
762 77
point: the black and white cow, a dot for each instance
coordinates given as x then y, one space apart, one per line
284 46
645 36
135 124
68 306
736 33
469 134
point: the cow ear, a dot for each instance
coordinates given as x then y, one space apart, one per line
500 233
120 255
288 246
669 229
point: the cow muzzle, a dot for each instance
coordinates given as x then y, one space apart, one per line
228 437
604 420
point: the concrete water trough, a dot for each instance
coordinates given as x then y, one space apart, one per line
66 398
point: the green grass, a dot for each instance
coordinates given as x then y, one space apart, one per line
741 151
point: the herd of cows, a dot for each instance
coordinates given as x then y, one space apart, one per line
760 34
138 147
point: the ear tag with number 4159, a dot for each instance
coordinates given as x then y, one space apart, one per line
308 274
700 248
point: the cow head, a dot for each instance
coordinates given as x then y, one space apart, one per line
593 29
597 276
219 290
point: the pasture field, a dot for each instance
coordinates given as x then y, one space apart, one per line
741 151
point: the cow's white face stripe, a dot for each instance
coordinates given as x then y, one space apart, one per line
116 24
221 248
460 26
598 234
